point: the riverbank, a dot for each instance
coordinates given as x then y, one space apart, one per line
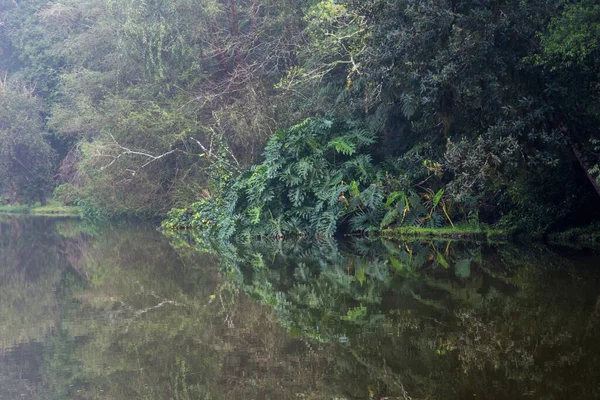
52 209
582 237
461 232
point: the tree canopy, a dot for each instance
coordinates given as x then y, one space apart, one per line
153 105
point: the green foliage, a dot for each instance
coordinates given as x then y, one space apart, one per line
147 78
299 189
454 84
152 103
317 177
26 158
66 194
573 35
35 59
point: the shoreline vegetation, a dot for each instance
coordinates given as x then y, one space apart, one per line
52 209
459 232
582 237
253 119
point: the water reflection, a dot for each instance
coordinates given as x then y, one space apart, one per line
124 313
117 313
434 319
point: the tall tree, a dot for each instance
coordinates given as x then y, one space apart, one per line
571 52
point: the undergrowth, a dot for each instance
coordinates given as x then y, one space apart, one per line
318 178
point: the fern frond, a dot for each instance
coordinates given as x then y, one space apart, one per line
327 224
409 104
411 219
296 196
304 167
363 137
389 217
343 145
254 215
372 197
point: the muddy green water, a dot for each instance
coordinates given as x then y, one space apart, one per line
124 312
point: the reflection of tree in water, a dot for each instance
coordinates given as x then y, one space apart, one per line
31 276
34 284
119 313
18 372
135 319
435 320
541 341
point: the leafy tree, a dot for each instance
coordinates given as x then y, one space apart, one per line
472 102
455 78
26 158
34 57
570 51
177 81
317 176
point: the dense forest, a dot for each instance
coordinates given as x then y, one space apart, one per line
282 117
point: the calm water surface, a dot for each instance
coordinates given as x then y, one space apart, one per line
128 313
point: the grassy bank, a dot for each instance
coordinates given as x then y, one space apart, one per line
466 232
52 209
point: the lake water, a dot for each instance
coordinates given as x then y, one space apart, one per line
125 312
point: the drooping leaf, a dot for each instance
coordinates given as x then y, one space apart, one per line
442 261
437 197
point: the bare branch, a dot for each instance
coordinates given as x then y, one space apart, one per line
209 154
123 151
145 310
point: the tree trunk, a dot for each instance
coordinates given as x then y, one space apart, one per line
234 19
254 17
235 32
586 167
43 201
14 193
217 45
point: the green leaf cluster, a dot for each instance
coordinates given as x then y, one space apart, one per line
313 175
317 179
